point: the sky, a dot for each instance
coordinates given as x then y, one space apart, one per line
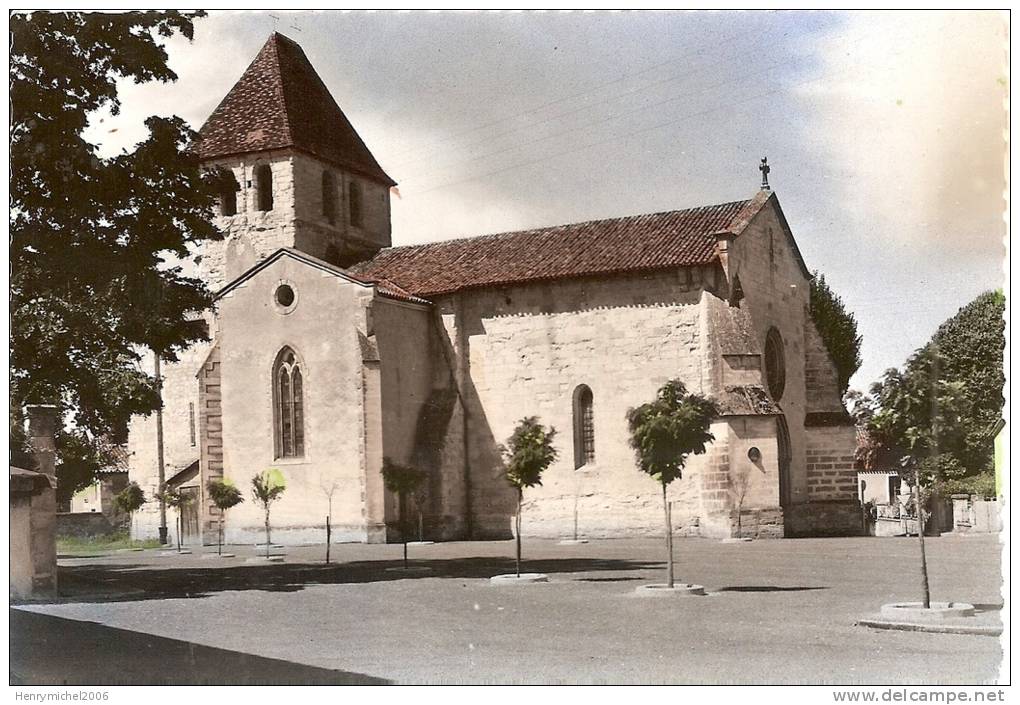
884 131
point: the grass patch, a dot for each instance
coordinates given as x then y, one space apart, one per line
101 544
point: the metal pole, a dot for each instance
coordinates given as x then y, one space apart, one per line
159 455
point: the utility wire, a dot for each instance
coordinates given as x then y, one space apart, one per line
707 47
588 106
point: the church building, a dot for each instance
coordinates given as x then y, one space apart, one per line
331 350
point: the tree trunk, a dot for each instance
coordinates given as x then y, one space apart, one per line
403 531
268 538
575 514
520 500
926 594
328 539
179 525
219 545
421 526
669 538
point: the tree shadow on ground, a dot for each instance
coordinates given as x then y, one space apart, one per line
48 650
132 582
767 588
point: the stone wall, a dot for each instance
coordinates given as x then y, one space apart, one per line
776 290
210 421
88 524
824 518
832 468
180 447
297 219
823 394
322 327
522 351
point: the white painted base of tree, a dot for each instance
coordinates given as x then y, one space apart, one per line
663 590
409 569
572 542
737 539
940 618
522 579
212 556
272 546
420 543
939 612
264 559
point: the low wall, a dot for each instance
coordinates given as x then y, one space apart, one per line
831 518
86 525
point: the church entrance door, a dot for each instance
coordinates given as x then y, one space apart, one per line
189 515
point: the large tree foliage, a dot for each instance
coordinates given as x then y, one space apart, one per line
838 329
939 408
97 242
663 434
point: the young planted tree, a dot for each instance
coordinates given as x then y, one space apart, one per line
664 433
527 453
129 500
402 480
919 416
266 488
176 500
329 490
224 494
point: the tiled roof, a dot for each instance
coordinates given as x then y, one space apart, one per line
280 102
599 247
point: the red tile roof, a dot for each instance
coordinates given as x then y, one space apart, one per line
280 102
599 247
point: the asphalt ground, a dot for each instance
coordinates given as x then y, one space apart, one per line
777 612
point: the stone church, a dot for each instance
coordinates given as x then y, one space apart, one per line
330 349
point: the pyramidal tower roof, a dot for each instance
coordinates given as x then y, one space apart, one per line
280 102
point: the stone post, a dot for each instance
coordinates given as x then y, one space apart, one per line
42 426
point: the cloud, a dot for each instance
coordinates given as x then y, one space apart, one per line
911 118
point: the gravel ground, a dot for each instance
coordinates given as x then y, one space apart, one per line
776 612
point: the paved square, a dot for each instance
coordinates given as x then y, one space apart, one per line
779 611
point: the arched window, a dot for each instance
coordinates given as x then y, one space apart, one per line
228 197
264 186
775 364
288 405
354 196
328 197
584 427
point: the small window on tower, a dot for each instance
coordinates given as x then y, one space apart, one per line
354 192
264 186
328 197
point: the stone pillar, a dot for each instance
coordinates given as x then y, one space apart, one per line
42 426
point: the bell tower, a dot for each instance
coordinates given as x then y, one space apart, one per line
303 177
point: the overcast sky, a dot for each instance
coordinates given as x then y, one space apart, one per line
884 130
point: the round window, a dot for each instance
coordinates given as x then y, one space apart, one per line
284 295
775 364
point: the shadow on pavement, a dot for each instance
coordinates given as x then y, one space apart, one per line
132 582
47 650
766 588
